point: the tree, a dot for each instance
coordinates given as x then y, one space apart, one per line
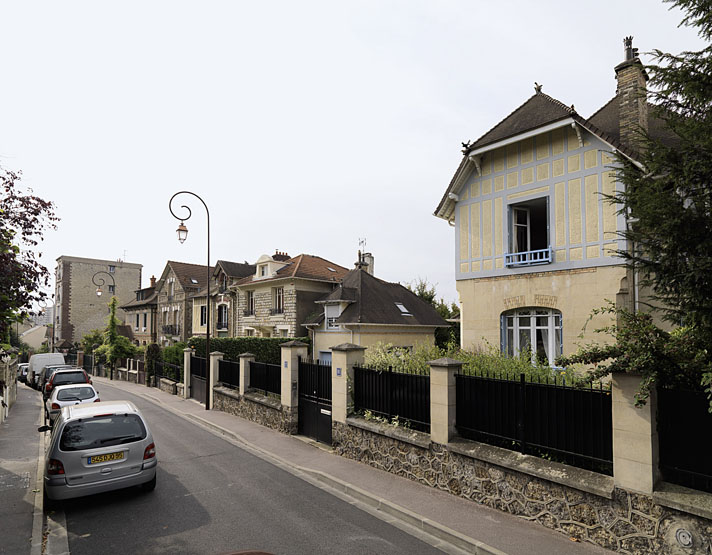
426 291
23 220
669 195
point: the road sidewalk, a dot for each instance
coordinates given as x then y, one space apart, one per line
20 501
473 527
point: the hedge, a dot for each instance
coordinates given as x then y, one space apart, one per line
265 349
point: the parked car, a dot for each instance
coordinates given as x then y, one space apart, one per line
67 395
46 374
63 377
98 447
39 361
22 371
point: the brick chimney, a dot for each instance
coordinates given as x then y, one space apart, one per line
153 281
632 97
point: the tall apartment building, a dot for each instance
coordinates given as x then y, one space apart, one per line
79 309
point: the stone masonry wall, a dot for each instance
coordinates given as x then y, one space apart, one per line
628 523
256 408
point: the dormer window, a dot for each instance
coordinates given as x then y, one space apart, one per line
331 314
404 311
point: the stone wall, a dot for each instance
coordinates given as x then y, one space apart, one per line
612 518
169 386
256 408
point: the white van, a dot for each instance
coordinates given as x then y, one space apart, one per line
38 362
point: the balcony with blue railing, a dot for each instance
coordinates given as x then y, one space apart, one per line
528 258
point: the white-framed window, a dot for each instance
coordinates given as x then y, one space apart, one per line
112 289
263 270
535 330
529 233
278 300
137 319
249 332
222 317
331 323
250 303
112 269
331 313
203 315
145 320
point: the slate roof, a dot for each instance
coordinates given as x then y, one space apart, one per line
150 296
304 266
236 269
372 301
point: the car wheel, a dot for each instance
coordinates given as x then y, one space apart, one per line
150 485
48 505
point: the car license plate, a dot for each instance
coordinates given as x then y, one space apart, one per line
105 458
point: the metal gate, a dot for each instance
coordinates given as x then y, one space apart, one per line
315 400
198 375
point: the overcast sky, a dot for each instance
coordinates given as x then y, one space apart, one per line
303 125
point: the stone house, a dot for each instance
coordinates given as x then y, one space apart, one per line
223 315
141 314
535 239
279 296
364 310
78 309
174 306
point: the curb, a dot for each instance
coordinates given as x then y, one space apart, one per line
357 495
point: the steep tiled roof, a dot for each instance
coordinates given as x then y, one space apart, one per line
373 301
190 276
541 109
606 119
304 266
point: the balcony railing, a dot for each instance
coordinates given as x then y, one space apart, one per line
528 258
170 329
274 311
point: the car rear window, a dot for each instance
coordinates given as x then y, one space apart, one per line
102 431
75 394
68 377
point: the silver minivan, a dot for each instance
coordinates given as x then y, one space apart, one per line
98 447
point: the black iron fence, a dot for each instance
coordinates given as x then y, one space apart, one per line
167 370
70 358
88 363
266 377
389 394
198 367
685 456
229 373
567 424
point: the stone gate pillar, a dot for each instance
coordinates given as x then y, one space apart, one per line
343 359
443 399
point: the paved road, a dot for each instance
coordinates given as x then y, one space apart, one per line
213 497
19 445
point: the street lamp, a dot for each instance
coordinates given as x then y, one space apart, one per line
43 305
182 232
99 281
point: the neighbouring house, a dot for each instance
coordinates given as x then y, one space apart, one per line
141 314
78 307
364 310
175 288
223 315
37 336
535 238
279 296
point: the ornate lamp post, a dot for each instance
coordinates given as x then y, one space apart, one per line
182 232
43 305
99 282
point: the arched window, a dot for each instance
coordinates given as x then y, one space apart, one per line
537 330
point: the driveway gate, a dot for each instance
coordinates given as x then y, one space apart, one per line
315 400
198 375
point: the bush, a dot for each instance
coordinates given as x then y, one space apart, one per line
174 353
265 349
